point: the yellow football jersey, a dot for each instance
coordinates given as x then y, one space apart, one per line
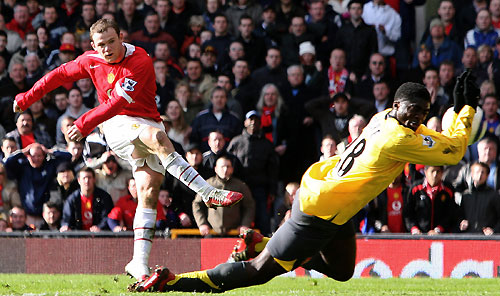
335 189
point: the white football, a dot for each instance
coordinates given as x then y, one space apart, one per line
479 125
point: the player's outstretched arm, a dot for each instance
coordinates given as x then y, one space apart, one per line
69 72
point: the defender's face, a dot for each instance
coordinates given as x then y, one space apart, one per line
411 114
109 45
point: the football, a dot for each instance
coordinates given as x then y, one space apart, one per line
479 125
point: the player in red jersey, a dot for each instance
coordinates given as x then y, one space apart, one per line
124 77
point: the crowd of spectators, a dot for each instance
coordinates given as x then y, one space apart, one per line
251 92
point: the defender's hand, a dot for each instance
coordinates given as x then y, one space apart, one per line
74 134
458 93
471 91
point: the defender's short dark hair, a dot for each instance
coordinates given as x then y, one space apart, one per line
410 91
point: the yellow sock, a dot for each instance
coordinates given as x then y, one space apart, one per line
260 246
201 275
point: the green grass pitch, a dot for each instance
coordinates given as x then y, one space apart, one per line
44 284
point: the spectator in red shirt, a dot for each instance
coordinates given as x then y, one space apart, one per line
88 207
20 23
121 217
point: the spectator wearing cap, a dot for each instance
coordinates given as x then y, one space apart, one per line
332 114
67 52
27 132
291 41
483 32
34 169
269 28
260 166
251 42
312 68
440 46
216 117
113 177
422 61
151 34
357 39
221 39
447 14
208 60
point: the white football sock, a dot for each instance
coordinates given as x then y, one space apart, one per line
179 168
144 229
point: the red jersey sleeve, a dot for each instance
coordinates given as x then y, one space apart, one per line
138 74
68 72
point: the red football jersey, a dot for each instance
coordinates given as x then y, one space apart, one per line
124 88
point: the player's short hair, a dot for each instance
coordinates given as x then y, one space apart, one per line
102 26
481 164
411 91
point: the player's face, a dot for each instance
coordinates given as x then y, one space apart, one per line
411 114
109 45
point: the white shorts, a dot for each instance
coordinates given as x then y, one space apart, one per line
121 130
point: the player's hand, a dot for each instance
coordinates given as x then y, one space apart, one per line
74 134
458 93
15 107
471 91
